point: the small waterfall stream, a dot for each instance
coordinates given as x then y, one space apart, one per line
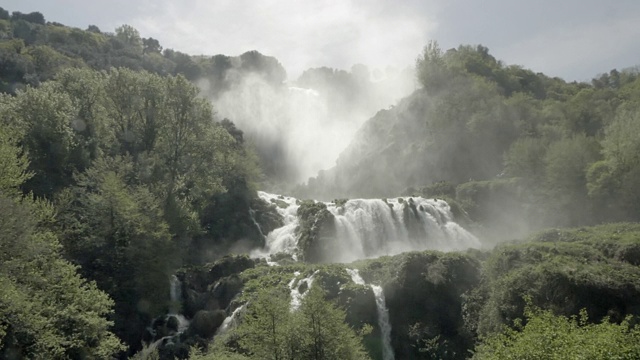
230 321
176 301
383 314
383 322
296 295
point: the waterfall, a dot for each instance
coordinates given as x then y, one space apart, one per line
355 276
296 295
368 228
383 314
282 239
175 290
230 321
373 227
383 322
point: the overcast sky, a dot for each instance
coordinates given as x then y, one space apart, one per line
572 39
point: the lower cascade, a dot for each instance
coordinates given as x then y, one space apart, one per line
383 314
366 228
230 321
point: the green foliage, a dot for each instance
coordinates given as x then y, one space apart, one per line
613 183
269 330
116 232
13 164
547 336
562 270
47 311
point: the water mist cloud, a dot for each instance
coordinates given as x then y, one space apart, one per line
301 35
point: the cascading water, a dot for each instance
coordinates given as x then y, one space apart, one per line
159 330
230 321
367 228
296 295
383 314
282 239
176 300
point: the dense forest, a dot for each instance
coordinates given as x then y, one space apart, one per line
131 225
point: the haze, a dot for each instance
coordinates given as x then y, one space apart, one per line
573 39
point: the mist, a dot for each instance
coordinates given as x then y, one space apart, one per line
300 127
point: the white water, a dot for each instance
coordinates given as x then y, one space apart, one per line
176 300
282 239
383 314
368 228
230 321
296 296
383 322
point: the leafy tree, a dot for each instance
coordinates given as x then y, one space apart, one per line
46 310
266 326
13 163
33 17
547 336
317 330
151 45
613 183
566 166
130 36
4 14
431 68
323 332
46 113
115 231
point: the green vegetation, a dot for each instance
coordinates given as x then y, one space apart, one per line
315 331
546 336
115 175
521 150
47 311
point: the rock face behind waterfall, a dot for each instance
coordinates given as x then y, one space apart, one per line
316 232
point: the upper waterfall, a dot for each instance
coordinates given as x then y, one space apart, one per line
368 228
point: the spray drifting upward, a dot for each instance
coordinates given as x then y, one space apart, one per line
367 228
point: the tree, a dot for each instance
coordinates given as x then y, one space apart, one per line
13 163
151 45
546 336
33 17
323 332
130 36
47 311
115 230
566 164
431 67
317 330
613 183
46 114
266 326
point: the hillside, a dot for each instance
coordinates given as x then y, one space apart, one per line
507 144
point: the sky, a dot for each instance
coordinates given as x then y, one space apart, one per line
571 39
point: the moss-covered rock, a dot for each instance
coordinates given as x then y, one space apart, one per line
316 232
229 265
205 323
266 215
